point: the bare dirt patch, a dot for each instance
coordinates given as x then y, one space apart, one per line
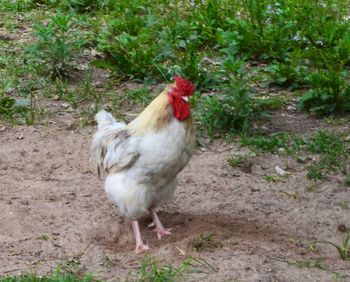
54 209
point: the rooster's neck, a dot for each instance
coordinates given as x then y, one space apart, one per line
154 117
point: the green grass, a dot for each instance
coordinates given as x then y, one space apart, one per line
202 41
347 181
314 51
59 275
330 149
238 53
320 264
309 264
150 270
139 96
275 178
58 44
210 42
345 204
230 110
236 161
343 249
277 142
154 271
54 278
234 51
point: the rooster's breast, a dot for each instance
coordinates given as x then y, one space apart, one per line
165 153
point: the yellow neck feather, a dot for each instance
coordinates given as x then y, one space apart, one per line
154 116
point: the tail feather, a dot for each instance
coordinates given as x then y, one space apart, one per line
104 119
111 146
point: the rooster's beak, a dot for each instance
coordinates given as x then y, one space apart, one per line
185 98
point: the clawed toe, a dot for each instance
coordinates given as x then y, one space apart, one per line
151 225
162 232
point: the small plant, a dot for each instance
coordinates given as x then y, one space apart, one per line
129 39
64 92
89 92
206 242
58 45
236 161
230 111
293 195
311 187
271 103
7 106
273 143
315 172
329 93
275 178
153 271
332 149
188 62
344 249
317 263
84 5
347 181
87 87
44 237
21 108
345 204
312 246
18 6
310 264
139 96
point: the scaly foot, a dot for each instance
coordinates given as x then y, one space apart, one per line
160 230
141 248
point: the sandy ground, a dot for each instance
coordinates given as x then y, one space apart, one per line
54 210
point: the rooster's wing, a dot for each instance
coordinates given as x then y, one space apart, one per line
113 148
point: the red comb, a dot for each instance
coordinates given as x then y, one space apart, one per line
183 86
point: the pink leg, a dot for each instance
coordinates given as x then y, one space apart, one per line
160 230
140 246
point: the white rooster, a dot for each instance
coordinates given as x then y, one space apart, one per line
143 158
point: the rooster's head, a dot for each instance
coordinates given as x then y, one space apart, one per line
178 97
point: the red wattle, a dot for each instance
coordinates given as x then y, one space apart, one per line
182 88
180 107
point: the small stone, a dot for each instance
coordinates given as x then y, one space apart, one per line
280 171
57 245
342 228
25 202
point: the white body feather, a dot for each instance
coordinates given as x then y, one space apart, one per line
142 169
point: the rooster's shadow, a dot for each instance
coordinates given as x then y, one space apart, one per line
223 226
